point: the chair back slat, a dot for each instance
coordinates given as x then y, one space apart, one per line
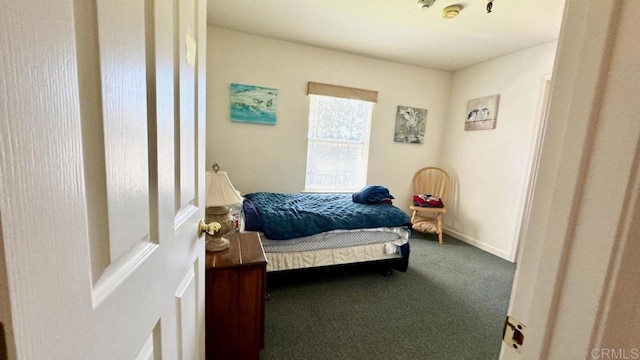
431 180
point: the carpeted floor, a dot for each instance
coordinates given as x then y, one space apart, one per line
450 304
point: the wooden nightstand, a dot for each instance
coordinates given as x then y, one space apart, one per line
235 294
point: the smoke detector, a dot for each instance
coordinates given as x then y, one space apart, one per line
451 11
422 4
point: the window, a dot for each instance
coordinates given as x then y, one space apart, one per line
338 143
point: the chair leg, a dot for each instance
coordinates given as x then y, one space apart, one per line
440 228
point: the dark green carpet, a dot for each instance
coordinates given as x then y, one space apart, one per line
450 304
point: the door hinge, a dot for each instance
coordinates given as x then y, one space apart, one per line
513 333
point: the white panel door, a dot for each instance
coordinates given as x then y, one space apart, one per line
102 150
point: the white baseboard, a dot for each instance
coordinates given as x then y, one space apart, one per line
479 244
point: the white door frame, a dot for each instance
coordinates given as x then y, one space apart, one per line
583 222
536 152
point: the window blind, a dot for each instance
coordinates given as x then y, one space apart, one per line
315 88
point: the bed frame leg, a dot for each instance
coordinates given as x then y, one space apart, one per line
385 271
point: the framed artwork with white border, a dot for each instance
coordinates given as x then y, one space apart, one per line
482 113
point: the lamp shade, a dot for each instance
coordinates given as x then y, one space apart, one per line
220 191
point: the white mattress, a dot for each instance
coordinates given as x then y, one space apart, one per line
334 247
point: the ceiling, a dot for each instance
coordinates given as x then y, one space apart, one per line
397 30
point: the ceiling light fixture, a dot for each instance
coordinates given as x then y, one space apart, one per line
422 4
451 11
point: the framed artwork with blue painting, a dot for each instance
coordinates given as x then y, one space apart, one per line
253 104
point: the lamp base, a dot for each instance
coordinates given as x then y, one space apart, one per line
216 243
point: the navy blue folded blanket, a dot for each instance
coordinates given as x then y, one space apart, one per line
288 216
372 194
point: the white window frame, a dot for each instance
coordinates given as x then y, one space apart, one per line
362 161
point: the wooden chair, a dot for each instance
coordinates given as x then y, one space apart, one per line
434 181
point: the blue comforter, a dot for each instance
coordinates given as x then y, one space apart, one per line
288 216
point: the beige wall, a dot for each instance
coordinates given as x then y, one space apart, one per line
273 158
490 168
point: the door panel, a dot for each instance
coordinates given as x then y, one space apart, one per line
185 80
121 34
187 307
113 102
146 353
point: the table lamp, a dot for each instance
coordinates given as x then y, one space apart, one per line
220 194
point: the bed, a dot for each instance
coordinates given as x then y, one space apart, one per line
313 230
